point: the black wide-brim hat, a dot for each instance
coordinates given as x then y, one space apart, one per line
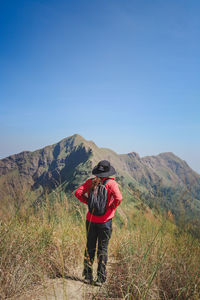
103 169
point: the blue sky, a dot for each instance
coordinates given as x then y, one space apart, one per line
123 73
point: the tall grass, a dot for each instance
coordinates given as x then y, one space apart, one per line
149 257
152 260
34 246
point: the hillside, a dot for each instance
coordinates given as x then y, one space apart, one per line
150 256
26 177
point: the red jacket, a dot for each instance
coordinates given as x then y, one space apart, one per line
114 199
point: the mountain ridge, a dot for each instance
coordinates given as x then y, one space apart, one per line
69 162
76 137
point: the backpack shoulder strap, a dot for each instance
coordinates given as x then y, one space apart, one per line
105 181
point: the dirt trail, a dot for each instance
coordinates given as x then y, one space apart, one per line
68 288
61 289
64 289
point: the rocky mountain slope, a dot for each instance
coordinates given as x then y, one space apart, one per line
27 176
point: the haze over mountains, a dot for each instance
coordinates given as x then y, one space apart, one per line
27 176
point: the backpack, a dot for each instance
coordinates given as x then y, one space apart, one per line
97 199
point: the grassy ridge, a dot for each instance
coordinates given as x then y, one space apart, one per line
154 260
150 257
34 246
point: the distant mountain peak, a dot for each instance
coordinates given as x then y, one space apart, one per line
70 161
76 138
168 155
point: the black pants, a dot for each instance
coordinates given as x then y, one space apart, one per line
100 232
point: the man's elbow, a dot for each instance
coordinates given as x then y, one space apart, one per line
119 200
76 194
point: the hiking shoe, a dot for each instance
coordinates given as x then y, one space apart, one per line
99 282
88 279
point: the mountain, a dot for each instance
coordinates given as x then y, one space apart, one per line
28 176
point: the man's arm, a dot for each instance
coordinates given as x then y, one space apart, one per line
116 195
80 192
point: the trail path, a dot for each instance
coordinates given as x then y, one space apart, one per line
64 289
70 288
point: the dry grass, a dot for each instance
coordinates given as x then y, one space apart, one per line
33 247
150 258
153 262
